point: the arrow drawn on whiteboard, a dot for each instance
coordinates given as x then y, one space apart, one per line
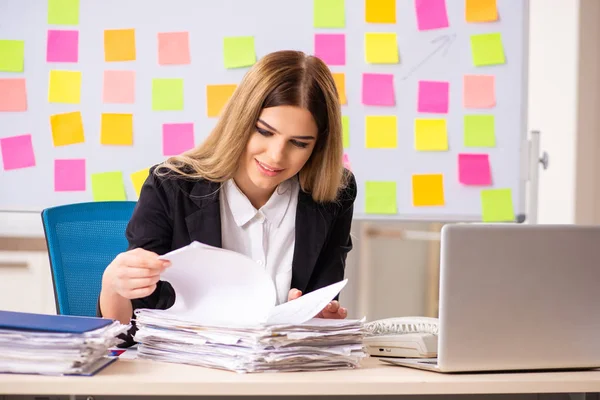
445 41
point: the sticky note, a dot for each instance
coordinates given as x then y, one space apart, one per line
17 152
431 14
12 55
497 205
340 85
217 97
177 138
62 46
378 89
487 49
479 91
69 175
346 162
63 12
428 190
380 197
119 45
479 131
329 14
431 135
331 48
238 51
14 94
167 94
108 186
173 48
474 169
116 129
481 11
381 132
380 11
433 97
138 178
67 128
346 131
381 48
118 87
64 87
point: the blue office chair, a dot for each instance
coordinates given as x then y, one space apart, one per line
82 240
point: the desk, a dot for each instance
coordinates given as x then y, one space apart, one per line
141 377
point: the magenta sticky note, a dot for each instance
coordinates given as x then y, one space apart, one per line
346 162
431 14
17 152
177 138
69 175
331 48
433 97
62 46
378 90
474 169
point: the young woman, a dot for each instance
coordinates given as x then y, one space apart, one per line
268 182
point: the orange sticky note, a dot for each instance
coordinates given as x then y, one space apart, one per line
380 11
340 85
216 98
479 91
67 128
119 45
428 190
116 129
13 94
481 11
173 48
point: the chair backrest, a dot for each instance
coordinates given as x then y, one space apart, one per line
82 240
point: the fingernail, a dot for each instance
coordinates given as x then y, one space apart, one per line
343 310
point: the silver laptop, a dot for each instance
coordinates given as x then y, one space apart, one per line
517 297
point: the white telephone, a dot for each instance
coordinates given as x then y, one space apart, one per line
410 337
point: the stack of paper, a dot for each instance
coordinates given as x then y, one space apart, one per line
56 344
225 317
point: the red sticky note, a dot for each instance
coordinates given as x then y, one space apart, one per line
62 46
13 94
474 169
433 97
431 14
69 175
177 138
17 152
119 87
479 91
173 48
331 48
378 90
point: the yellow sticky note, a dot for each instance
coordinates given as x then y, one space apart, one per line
238 51
116 129
217 97
12 55
67 128
64 87
431 135
340 85
487 49
346 131
479 131
481 11
119 45
497 205
381 132
108 186
428 190
138 178
381 48
380 11
380 197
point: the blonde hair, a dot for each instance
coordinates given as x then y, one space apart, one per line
280 78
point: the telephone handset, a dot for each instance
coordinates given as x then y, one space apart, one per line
411 337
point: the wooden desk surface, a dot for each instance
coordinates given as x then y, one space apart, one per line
140 377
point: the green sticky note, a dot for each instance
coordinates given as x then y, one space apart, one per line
346 131
12 55
479 131
238 51
329 14
497 205
63 12
108 186
487 49
167 94
380 197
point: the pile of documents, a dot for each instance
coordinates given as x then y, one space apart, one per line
56 344
225 317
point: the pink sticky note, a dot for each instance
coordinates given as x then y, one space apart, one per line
331 48
474 169
433 97
431 14
69 175
346 162
17 152
177 138
119 87
479 91
378 89
62 46
173 48
13 94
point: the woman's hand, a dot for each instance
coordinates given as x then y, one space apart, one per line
333 310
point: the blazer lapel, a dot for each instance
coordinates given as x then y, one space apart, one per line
204 225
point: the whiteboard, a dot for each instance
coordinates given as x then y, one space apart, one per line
437 55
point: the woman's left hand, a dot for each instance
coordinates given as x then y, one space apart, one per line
333 310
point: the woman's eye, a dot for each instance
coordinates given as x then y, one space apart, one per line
264 132
297 143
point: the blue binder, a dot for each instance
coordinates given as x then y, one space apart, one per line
50 323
